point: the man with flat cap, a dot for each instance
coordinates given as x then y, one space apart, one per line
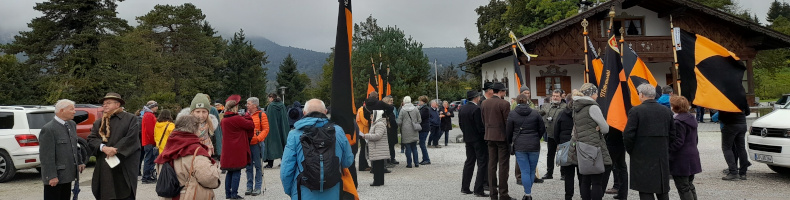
115 138
471 122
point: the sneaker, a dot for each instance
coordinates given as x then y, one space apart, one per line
730 177
248 192
256 192
425 163
743 177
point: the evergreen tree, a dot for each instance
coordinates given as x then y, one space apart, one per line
64 44
191 52
244 73
289 77
19 82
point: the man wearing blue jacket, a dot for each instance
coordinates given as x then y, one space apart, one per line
291 167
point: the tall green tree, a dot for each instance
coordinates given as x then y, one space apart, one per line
192 52
20 82
390 47
64 44
244 73
295 82
496 19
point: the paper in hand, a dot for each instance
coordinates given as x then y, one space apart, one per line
112 161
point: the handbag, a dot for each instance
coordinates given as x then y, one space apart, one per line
588 157
561 158
416 126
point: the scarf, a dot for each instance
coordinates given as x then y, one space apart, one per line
104 128
181 144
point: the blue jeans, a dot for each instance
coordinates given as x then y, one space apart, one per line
149 152
256 163
446 137
232 183
528 161
411 152
423 137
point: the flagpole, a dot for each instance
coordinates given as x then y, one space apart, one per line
586 59
675 55
436 73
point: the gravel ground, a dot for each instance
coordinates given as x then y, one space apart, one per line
442 179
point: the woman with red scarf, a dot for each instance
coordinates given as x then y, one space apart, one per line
191 160
237 133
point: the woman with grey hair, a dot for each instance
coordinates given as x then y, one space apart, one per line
590 126
409 116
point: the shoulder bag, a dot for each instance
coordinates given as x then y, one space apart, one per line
416 126
589 158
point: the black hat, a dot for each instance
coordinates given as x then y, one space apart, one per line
487 85
499 86
114 96
471 94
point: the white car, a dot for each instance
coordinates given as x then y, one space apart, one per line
19 129
781 102
769 140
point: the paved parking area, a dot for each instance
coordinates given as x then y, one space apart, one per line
442 179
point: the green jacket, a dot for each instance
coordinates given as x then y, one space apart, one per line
278 131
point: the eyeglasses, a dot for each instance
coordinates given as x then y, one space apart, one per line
109 103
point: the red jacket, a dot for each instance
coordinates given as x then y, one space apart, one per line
236 135
148 125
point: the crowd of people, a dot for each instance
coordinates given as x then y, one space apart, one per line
206 140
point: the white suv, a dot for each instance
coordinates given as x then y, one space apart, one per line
19 129
769 140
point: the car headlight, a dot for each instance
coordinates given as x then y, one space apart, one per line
787 134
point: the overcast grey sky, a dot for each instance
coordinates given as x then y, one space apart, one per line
311 24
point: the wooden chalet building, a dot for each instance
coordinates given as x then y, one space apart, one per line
560 47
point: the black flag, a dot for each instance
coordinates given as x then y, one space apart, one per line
343 113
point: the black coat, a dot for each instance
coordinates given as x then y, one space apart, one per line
647 135
470 120
447 122
563 127
119 182
524 128
683 153
425 116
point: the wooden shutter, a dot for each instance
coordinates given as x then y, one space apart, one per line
540 88
566 83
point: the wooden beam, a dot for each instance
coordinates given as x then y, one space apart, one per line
671 12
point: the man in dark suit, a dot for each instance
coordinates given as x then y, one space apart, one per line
646 137
494 112
471 122
61 159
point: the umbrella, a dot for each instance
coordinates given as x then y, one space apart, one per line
76 190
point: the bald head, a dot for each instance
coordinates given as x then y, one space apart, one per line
314 105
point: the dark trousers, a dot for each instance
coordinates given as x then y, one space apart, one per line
60 191
733 141
446 137
593 186
476 153
363 161
423 148
232 179
353 168
653 196
552 145
149 152
436 134
570 174
685 187
700 114
378 172
392 139
620 171
498 158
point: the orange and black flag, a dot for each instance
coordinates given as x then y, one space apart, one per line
638 74
382 84
612 83
343 91
373 81
594 64
711 76
519 50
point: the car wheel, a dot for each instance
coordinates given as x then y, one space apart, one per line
7 169
781 170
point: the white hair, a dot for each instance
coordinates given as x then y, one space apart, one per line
407 99
648 90
63 103
254 100
314 105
